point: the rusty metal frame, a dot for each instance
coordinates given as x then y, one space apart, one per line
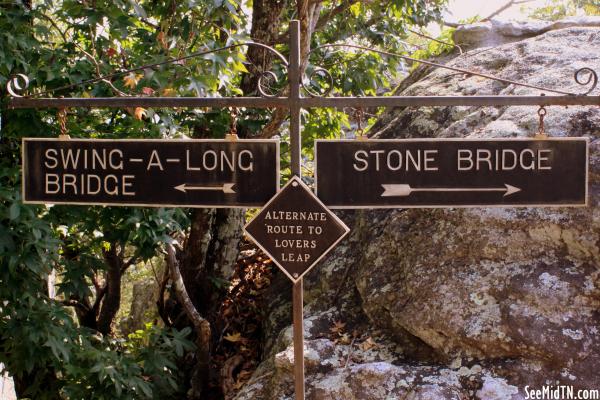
295 102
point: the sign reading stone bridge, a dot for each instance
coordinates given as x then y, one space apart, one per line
452 172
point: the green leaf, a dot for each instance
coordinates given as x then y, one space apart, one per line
138 9
14 211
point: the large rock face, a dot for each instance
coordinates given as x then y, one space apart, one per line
497 31
460 303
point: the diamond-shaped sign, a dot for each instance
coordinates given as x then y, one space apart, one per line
296 229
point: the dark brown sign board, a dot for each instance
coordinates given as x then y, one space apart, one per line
295 229
150 172
430 173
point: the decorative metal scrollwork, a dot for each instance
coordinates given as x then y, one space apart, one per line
17 84
583 76
265 81
592 78
309 79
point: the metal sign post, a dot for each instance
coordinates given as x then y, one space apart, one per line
296 230
296 149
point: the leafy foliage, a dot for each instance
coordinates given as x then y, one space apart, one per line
558 9
141 367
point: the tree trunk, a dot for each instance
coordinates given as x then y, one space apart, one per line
112 298
266 22
212 246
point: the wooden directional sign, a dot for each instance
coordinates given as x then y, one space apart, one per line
295 229
452 172
179 173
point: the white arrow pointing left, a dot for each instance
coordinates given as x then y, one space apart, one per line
226 187
403 190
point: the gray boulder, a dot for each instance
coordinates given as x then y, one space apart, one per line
497 31
459 303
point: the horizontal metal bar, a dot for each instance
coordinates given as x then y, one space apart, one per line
307 102
150 102
421 101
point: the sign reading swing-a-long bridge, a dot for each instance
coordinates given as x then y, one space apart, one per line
186 173
452 172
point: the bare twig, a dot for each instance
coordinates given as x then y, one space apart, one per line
423 35
76 304
201 325
272 128
505 7
350 352
154 273
87 54
452 24
55 26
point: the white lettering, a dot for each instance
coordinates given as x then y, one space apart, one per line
119 163
152 163
126 183
543 157
187 159
250 165
115 189
214 160
465 155
430 158
363 161
54 182
484 155
398 164
522 159
70 158
52 158
505 166
89 184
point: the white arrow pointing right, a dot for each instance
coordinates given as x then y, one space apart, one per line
403 190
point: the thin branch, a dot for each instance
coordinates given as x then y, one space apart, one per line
55 26
350 351
272 128
423 35
132 260
500 10
452 24
112 300
87 54
160 302
201 325
323 20
76 304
